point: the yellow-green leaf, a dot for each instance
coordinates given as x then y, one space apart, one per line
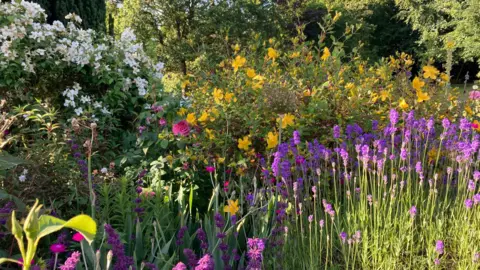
4 260
81 223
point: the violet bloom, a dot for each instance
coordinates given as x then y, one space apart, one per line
393 117
254 253
445 123
296 137
336 132
476 199
122 262
180 266
343 236
471 185
374 125
71 262
191 257
321 223
436 261
310 218
439 247
468 203
413 211
205 263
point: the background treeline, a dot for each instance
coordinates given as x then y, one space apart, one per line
193 34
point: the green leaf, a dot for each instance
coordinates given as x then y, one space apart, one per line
164 144
139 252
81 223
8 161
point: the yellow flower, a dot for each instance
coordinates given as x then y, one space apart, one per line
444 77
418 84
468 110
422 96
272 53
295 55
185 84
238 62
349 86
251 72
191 119
361 69
236 48
244 143
326 54
272 140
228 97
210 134
232 207
403 104
203 117
450 44
337 16
430 72
182 111
217 95
384 95
287 120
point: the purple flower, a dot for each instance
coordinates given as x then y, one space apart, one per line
296 137
321 223
413 211
180 235
205 263
471 185
254 253
191 257
71 262
374 125
445 123
476 198
180 266
393 117
336 132
343 236
468 203
310 218
122 262
439 247
436 261
219 220
210 169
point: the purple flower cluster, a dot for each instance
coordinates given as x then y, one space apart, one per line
122 261
138 209
205 263
255 253
5 212
71 262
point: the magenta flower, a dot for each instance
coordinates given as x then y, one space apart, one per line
181 128
162 122
78 237
57 248
210 169
474 95
439 247
468 203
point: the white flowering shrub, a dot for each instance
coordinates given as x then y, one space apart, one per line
85 72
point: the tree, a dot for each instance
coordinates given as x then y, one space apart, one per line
445 23
92 12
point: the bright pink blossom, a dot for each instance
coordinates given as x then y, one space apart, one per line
181 128
78 237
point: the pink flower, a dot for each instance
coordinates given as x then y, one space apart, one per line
162 122
57 248
78 237
181 128
210 169
474 95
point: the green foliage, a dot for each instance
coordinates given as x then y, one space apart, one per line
92 12
442 21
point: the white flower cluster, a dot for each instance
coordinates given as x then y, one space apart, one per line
78 102
73 47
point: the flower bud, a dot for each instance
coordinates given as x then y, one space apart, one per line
109 259
31 226
16 228
93 125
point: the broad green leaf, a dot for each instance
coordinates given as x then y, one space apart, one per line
8 161
81 223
